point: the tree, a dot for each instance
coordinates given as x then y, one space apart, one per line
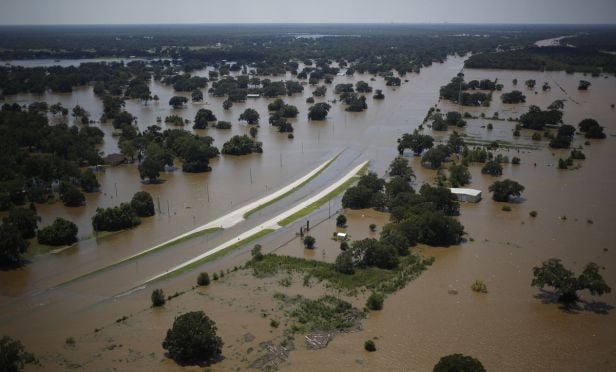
70 195
13 355
416 142
344 262
115 218
378 94
253 132
241 145
197 95
552 273
341 220
309 242
503 190
60 232
434 158
256 252
595 132
143 204
158 298
586 124
177 101
458 363
583 85
459 175
12 245
192 339
400 167
250 115
88 181
288 111
202 118
375 301
492 168
318 111
25 220
227 104
513 97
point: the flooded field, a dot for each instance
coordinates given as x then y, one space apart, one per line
508 329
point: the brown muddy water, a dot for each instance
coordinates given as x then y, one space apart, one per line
508 329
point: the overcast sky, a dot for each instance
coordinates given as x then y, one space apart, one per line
305 11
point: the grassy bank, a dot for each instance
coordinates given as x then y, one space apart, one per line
314 206
216 255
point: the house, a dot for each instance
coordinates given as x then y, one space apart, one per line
466 195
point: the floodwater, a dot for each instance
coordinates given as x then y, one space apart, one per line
507 329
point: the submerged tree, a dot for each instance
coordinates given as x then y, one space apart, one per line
503 190
458 363
553 274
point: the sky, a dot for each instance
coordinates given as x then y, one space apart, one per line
35 12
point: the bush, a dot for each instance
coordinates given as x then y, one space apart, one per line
143 204
215 276
506 208
192 339
341 220
372 227
344 246
515 160
369 346
458 362
203 279
375 301
274 323
158 298
256 252
60 232
492 168
479 286
309 242
533 214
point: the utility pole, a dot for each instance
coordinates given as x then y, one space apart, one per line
116 188
158 200
168 209
207 188
251 175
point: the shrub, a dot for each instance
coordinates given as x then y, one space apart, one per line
192 339
158 298
479 286
372 227
533 214
203 279
369 346
515 160
536 137
309 242
344 246
256 252
274 323
375 301
506 208
60 232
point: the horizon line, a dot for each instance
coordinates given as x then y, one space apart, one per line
470 23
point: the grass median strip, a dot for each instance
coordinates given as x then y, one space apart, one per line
144 253
214 256
264 205
314 206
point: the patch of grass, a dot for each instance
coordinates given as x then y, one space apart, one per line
506 208
264 205
379 280
216 255
327 313
314 206
370 346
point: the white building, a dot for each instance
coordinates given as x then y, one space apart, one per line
467 195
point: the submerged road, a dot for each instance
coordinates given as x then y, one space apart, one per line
272 224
